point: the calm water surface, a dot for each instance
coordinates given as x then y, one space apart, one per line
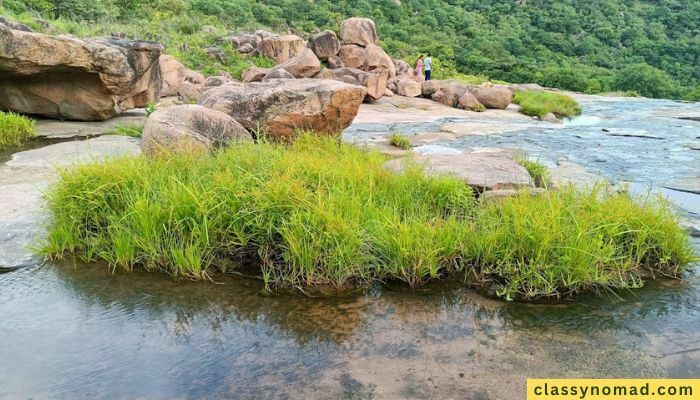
75 331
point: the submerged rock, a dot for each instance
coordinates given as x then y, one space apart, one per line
190 128
65 77
282 107
482 170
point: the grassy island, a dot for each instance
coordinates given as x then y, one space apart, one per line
318 214
539 104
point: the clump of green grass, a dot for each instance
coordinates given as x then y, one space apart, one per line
539 104
131 130
479 108
539 173
400 141
321 214
15 129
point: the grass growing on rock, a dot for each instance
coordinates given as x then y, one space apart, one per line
540 174
131 130
15 129
400 141
539 104
317 214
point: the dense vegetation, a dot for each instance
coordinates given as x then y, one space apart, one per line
539 104
15 129
646 46
320 214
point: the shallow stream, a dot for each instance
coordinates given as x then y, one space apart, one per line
75 331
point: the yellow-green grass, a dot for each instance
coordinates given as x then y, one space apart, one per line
131 130
540 174
400 141
317 214
15 129
540 103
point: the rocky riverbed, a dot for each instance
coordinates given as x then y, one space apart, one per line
97 334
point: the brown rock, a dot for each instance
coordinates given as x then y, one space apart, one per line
70 78
469 102
498 97
324 44
305 65
190 128
360 31
190 92
254 74
350 79
375 84
388 93
282 107
173 73
550 117
352 56
430 87
481 170
278 74
216 81
376 60
194 77
281 48
403 68
450 93
335 62
408 87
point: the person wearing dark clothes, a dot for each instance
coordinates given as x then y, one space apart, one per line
428 66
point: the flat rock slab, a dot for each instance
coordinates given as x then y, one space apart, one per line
570 173
481 128
484 170
690 185
76 152
56 129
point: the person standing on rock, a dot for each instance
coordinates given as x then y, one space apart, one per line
419 67
428 66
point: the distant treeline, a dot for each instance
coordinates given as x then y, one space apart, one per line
651 47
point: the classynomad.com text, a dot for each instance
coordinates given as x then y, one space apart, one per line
613 389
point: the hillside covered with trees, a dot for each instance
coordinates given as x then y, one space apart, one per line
647 47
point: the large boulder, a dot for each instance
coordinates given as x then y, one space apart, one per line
190 92
305 65
281 48
403 68
492 170
278 74
408 87
173 73
450 94
194 77
469 102
335 62
498 97
241 39
376 60
375 84
360 31
189 128
65 77
429 88
216 81
352 56
324 44
254 74
283 107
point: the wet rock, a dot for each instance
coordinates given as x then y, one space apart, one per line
482 170
408 87
282 48
254 74
278 74
190 128
690 185
173 73
63 77
282 107
304 65
324 44
352 56
498 97
359 31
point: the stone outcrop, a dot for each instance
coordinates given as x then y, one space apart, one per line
189 128
278 74
65 77
305 65
375 84
491 170
281 48
450 93
352 56
408 87
283 107
324 44
430 87
254 74
216 81
360 31
376 60
335 62
173 73
498 97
